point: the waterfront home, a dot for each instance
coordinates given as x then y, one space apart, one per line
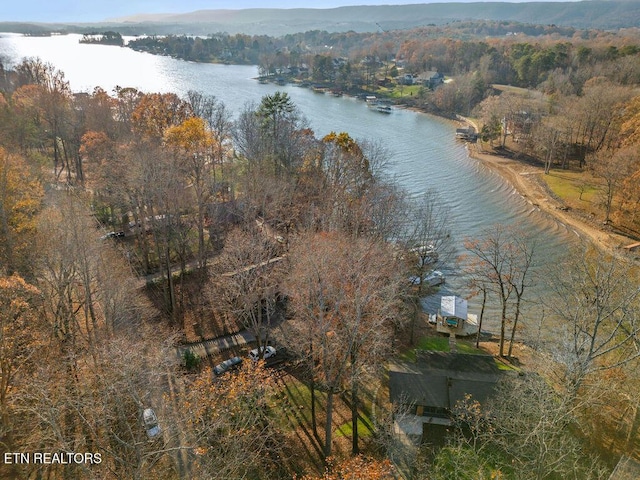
407 79
425 393
430 79
466 133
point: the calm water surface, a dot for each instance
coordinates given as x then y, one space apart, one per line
424 153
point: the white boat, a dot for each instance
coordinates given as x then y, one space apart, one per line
384 108
426 254
434 279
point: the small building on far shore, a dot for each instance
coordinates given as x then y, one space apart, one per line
466 133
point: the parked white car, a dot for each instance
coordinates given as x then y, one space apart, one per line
269 352
151 423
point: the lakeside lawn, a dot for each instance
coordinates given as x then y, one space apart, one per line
439 344
402 91
290 405
578 190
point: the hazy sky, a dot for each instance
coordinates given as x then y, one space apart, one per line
97 10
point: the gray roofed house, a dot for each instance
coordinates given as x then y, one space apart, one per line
430 79
428 390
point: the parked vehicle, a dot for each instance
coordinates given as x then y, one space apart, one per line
151 423
255 354
227 365
118 234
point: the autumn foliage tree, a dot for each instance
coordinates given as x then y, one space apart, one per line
154 113
229 427
22 332
193 145
345 294
21 196
356 468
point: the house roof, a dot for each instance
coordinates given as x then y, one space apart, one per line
456 364
441 379
451 306
429 75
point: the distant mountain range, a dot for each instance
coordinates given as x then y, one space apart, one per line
597 14
594 14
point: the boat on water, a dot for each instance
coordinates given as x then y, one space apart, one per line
426 253
383 108
433 279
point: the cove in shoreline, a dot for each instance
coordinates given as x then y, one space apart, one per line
527 179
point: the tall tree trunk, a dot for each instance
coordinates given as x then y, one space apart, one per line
312 386
170 286
414 319
503 326
484 303
513 330
201 250
354 416
328 425
314 422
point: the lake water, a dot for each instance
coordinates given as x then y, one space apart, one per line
424 153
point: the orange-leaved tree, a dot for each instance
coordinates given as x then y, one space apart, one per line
228 424
346 297
192 145
20 200
356 468
21 330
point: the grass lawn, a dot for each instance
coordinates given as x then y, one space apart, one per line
365 428
440 344
435 344
469 348
294 400
523 92
403 91
506 367
576 189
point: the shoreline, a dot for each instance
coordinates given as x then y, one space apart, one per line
526 179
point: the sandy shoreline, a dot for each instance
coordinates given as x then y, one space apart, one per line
526 180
